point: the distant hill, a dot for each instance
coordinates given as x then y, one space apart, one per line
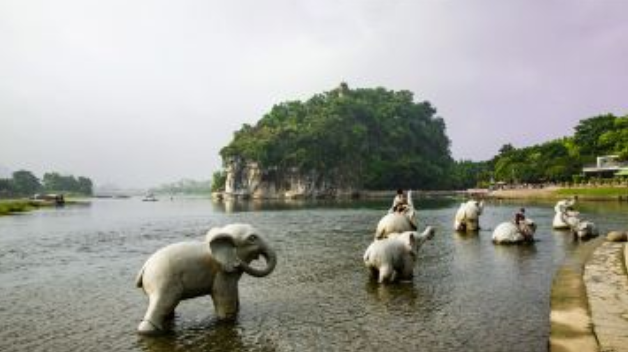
184 186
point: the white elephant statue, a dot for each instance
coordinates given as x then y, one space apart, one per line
397 222
393 258
566 217
509 233
468 216
191 269
585 229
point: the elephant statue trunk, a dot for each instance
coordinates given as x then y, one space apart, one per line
271 262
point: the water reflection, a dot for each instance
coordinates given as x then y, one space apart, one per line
517 253
404 293
233 205
211 335
66 279
466 235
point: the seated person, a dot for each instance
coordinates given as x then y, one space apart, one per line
399 202
403 207
520 221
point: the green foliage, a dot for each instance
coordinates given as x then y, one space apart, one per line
561 159
54 182
185 186
24 183
470 174
85 186
589 132
592 192
14 206
219 179
6 188
371 138
550 161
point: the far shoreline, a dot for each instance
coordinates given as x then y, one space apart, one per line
588 193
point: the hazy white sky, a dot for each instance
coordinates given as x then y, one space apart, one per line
143 92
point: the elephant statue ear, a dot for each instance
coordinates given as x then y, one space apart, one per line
410 239
223 250
212 232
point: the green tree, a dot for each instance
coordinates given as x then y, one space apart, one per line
470 174
25 183
589 131
219 179
85 186
371 138
6 188
52 182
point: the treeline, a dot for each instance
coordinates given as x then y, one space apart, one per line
185 186
559 160
365 138
382 139
24 183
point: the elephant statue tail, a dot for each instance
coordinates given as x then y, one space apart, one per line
138 278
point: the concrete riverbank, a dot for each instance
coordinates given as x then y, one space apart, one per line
590 300
607 288
571 325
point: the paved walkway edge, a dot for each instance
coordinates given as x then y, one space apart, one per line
606 280
571 326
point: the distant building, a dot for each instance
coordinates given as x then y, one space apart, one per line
606 166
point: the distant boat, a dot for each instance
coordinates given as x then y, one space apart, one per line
149 198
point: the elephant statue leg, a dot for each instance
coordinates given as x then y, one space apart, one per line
160 307
225 296
387 273
374 273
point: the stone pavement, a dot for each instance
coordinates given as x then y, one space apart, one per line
571 325
606 282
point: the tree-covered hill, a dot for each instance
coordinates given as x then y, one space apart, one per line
370 138
561 160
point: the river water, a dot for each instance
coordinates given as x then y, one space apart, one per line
67 279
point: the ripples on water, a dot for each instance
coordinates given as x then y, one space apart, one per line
66 280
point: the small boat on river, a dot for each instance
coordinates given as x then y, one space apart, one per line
150 198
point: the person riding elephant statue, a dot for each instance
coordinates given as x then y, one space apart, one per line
565 217
520 230
401 216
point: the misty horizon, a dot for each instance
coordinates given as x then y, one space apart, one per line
145 93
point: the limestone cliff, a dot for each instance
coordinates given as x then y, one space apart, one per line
246 179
